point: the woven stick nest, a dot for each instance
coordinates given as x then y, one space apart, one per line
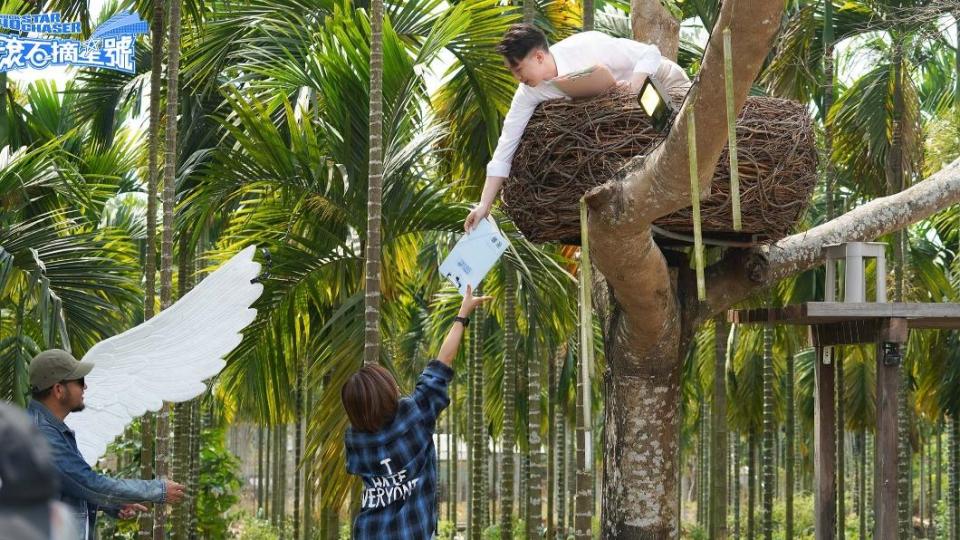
571 146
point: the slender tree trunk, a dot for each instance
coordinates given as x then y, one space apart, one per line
718 508
736 485
478 428
534 495
298 467
769 427
371 303
862 511
552 443
703 481
268 476
790 458
260 470
571 457
561 453
166 251
454 485
588 10
148 423
494 488
841 463
509 399
751 482
954 482
828 104
183 416
583 496
277 506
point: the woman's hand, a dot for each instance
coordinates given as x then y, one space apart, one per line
470 302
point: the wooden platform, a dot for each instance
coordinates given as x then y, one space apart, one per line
918 315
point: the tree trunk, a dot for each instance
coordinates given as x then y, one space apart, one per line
477 425
703 468
652 23
183 416
552 442
769 426
298 467
454 485
828 104
371 298
736 486
509 399
790 459
561 455
277 506
841 476
534 495
954 484
494 486
583 491
268 476
260 470
166 251
148 423
751 482
862 487
588 10
718 508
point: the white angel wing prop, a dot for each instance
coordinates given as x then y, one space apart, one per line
168 357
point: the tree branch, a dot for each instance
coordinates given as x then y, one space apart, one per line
741 272
652 23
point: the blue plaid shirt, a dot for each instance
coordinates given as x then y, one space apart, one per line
398 464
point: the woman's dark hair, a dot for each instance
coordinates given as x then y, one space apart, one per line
519 40
370 398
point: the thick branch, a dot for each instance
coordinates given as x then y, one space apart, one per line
878 217
660 184
742 272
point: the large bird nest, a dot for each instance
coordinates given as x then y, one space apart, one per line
571 146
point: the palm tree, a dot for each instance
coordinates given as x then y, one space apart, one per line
371 303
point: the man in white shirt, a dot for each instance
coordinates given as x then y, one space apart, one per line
541 70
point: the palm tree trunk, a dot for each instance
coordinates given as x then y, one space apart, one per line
276 507
571 457
534 495
309 504
284 441
477 425
260 471
371 302
751 481
954 482
182 415
790 458
702 482
718 508
298 467
736 486
841 476
561 453
769 426
588 15
523 388
148 423
828 103
552 443
267 476
166 248
509 399
493 487
455 445
862 487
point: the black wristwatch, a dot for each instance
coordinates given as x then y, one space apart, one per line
464 320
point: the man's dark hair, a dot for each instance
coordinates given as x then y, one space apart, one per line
519 40
40 395
370 398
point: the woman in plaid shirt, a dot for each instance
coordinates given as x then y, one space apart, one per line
390 441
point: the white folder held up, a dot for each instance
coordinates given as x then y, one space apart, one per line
474 255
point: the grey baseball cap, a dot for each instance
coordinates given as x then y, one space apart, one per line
55 365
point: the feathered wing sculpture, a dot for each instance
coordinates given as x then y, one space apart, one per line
168 357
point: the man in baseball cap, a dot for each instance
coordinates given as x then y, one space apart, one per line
57 386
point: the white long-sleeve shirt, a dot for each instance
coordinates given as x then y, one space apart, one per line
623 57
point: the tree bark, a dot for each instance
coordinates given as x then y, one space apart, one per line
371 298
769 427
652 23
718 507
509 400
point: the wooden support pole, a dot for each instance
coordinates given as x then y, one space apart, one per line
824 419
893 335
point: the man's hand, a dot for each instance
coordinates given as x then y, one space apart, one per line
131 510
470 302
481 211
174 491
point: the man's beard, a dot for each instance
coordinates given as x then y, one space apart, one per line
78 408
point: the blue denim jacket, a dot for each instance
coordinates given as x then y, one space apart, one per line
81 488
